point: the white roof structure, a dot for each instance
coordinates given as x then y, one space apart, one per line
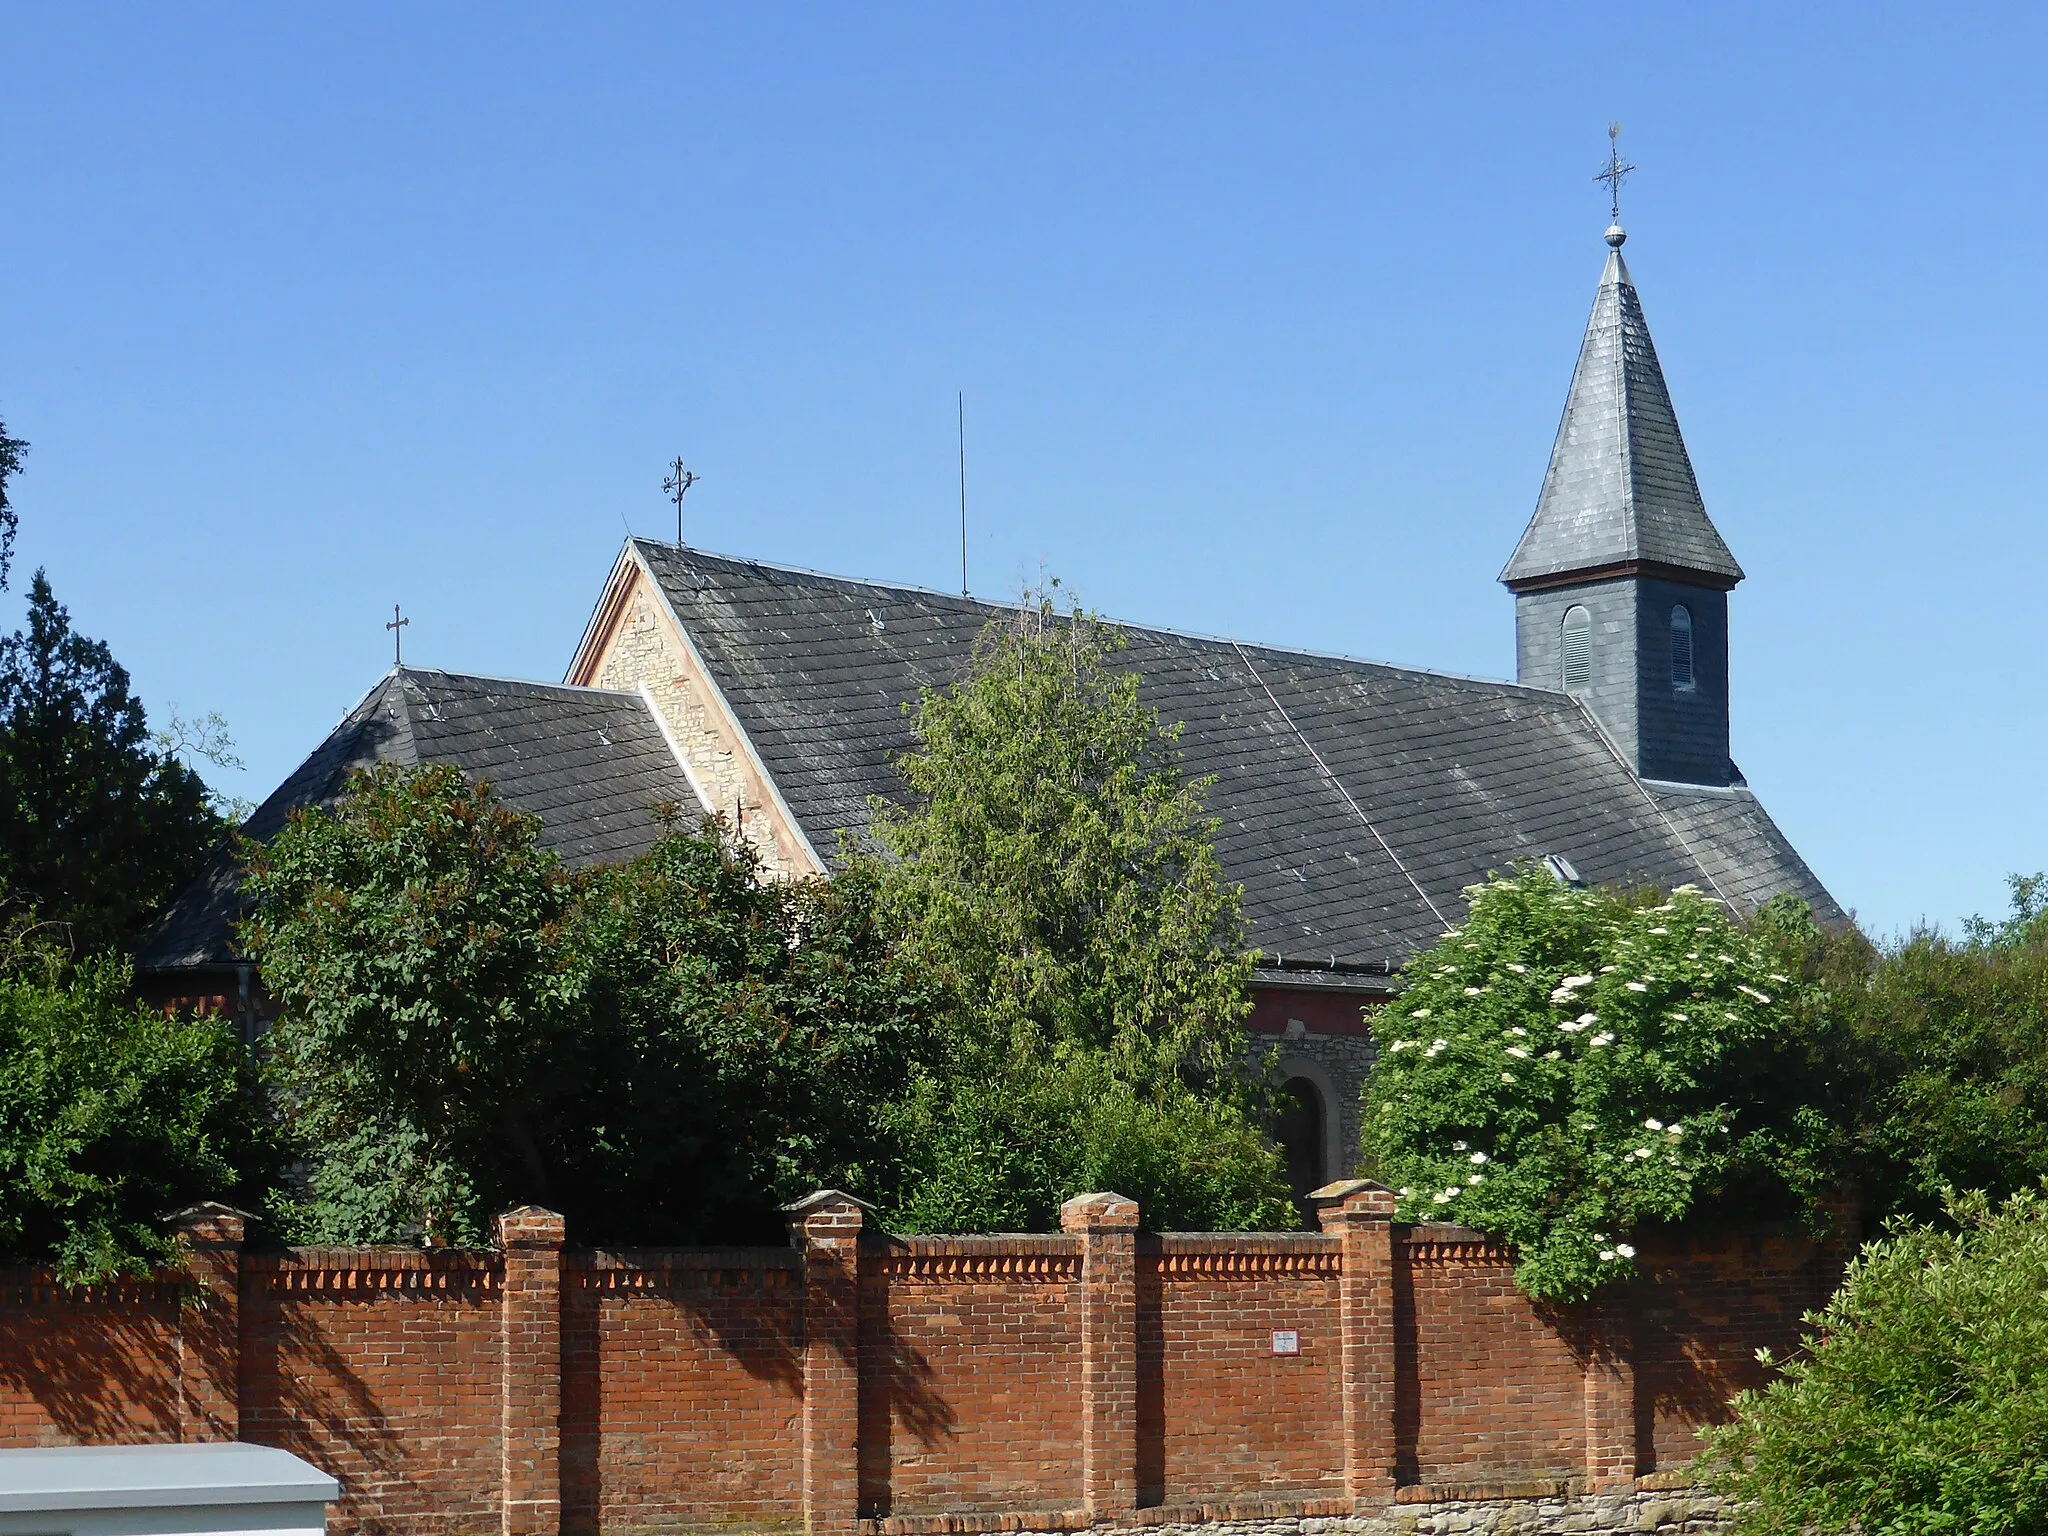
133 1490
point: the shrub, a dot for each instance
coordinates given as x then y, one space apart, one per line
111 1116
1571 1066
1921 1403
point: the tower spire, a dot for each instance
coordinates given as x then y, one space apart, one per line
1620 489
1621 579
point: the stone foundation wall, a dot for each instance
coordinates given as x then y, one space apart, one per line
1645 1512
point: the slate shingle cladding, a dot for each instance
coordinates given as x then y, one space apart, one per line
591 764
1620 487
1358 800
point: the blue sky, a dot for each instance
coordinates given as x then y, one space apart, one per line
1264 317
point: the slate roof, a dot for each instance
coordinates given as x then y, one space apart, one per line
1358 800
1620 486
592 764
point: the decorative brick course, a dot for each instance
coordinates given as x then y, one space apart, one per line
1369 1380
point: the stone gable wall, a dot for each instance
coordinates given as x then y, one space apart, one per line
640 645
1366 1380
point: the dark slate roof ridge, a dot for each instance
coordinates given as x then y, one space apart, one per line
498 680
978 604
533 741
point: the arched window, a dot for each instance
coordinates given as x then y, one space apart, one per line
1578 647
1681 647
1301 1134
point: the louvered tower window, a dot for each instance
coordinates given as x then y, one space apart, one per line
1681 647
1578 647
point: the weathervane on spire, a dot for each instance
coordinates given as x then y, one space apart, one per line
678 486
1616 172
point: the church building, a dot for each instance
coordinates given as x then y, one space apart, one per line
1358 801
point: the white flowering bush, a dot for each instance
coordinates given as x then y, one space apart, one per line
1567 1068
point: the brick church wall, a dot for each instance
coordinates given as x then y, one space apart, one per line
90 1366
880 1386
970 1375
382 1367
1458 1315
1221 1415
681 1389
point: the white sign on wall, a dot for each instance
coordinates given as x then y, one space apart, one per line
1286 1341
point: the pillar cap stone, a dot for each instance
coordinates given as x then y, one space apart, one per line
819 1199
1099 1212
209 1219
532 1226
825 1218
1353 1200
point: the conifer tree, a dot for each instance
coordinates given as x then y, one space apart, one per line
1055 878
11 450
99 825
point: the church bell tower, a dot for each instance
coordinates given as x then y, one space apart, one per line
1621 581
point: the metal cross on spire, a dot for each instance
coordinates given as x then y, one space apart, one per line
1617 170
678 486
397 628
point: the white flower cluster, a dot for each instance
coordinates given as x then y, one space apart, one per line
1566 988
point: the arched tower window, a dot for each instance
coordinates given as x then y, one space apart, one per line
1577 647
1681 647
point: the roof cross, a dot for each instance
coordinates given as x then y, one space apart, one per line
678 486
1617 170
397 628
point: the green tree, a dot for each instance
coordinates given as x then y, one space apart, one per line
11 451
1570 1067
1920 1402
662 1051
1055 879
746 1039
99 827
111 1115
416 938
1938 1054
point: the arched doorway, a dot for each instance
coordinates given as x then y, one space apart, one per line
1301 1133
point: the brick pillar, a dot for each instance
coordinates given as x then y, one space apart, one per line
1359 1214
1611 1396
209 1241
530 1421
1108 1228
824 1228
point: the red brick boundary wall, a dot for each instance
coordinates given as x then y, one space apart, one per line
859 1384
